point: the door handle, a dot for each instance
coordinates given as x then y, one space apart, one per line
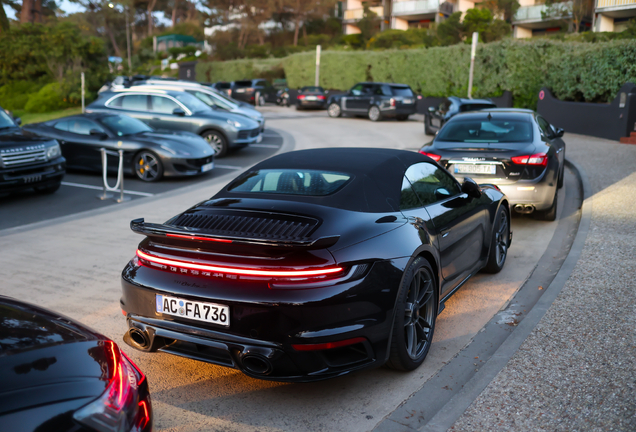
445 232
155 118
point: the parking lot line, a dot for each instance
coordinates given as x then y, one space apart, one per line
101 188
271 146
232 167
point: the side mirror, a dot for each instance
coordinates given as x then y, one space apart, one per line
431 109
18 121
98 134
470 188
178 112
558 132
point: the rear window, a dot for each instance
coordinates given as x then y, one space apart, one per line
489 131
476 107
291 182
402 91
312 90
246 83
223 85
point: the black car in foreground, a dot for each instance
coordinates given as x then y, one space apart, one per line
516 149
28 162
148 154
435 118
311 97
374 100
58 375
314 264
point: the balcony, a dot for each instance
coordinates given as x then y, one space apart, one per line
414 7
357 14
535 13
615 4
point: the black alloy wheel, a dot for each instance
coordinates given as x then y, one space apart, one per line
416 312
499 243
551 213
45 190
374 113
148 166
560 180
334 110
217 141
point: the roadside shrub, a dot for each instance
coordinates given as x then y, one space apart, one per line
48 98
240 69
14 95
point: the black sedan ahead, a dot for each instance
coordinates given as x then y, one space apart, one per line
314 264
516 149
58 375
311 97
148 154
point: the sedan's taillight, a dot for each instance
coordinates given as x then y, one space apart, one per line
120 407
433 156
321 97
301 97
535 159
392 102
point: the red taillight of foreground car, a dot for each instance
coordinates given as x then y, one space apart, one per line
197 269
392 102
535 159
433 156
321 97
301 97
192 237
121 407
328 345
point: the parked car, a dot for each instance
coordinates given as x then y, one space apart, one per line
314 264
254 91
311 97
28 162
59 375
516 149
435 118
375 100
122 82
222 87
180 111
212 98
148 154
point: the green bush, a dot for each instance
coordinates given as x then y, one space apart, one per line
232 70
48 98
15 94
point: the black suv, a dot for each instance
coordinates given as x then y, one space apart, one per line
435 118
375 100
27 161
254 91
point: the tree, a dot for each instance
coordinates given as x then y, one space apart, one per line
481 20
506 8
571 12
369 25
451 30
303 10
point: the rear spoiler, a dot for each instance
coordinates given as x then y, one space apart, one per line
139 226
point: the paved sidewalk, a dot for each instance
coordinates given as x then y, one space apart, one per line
577 369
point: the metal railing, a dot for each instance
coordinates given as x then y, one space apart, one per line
120 176
535 13
415 6
615 3
356 14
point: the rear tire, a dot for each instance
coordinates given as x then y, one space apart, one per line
551 213
334 110
374 113
499 243
416 312
217 141
560 181
46 190
261 100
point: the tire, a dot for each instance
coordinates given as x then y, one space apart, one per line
334 110
217 141
261 100
148 166
46 190
551 213
499 242
374 113
427 129
561 173
402 118
412 328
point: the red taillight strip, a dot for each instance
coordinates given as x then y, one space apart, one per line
142 376
192 237
328 345
146 415
433 156
238 271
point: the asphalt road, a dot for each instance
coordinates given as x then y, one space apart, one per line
79 189
72 265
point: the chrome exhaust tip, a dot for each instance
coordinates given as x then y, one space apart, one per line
139 338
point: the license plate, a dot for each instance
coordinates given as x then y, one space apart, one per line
207 167
435 122
200 311
408 101
475 169
240 90
311 98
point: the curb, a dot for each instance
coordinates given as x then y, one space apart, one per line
289 143
448 415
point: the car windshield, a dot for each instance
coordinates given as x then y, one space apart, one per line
402 91
124 125
292 182
5 120
216 99
489 131
193 103
476 106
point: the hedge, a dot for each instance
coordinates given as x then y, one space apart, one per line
572 70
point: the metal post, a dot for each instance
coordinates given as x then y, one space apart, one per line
473 51
120 176
317 83
83 93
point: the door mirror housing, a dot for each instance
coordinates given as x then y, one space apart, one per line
431 109
98 134
18 121
558 132
179 112
470 188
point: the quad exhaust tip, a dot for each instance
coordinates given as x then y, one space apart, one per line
139 338
256 364
524 208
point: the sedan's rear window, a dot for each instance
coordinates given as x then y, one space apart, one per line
243 83
475 107
490 131
292 182
402 91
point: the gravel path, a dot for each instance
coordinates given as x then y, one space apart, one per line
577 370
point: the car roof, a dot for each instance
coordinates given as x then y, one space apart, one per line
146 89
496 113
377 175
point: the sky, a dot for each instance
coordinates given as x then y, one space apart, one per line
65 5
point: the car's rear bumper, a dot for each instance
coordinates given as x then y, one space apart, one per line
312 104
398 111
32 176
266 323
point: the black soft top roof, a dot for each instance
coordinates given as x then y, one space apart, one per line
375 186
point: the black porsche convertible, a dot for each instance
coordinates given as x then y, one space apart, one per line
148 154
314 264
